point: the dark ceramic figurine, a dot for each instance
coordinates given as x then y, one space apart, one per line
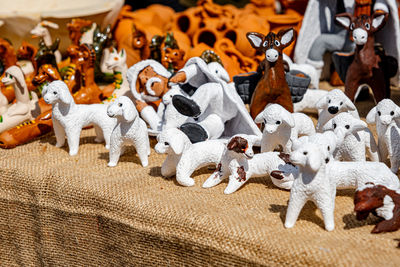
272 88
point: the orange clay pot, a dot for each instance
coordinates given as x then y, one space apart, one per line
234 61
197 50
187 21
207 35
237 35
182 39
165 13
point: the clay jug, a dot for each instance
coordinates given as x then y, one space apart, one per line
187 21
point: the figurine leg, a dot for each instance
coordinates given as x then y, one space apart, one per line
168 168
115 153
217 177
327 206
73 140
235 182
60 133
142 151
150 116
296 203
99 134
386 226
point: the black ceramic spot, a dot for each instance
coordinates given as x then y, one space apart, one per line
186 106
194 132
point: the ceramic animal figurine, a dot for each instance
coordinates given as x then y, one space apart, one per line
117 63
239 163
319 176
69 118
140 43
215 104
76 28
356 143
366 67
272 88
183 157
309 102
148 81
130 128
45 54
173 59
23 108
385 115
41 30
8 58
282 127
331 104
382 202
26 54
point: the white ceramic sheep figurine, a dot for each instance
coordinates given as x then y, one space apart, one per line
69 118
240 164
282 127
130 128
319 176
331 104
357 143
184 157
385 115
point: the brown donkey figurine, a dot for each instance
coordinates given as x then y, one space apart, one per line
272 87
367 67
382 202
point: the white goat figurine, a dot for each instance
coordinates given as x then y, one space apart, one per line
130 128
319 176
240 164
22 110
41 30
282 127
331 104
69 118
385 115
357 142
184 157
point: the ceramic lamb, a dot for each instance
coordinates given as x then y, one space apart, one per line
184 157
385 115
130 128
240 164
23 109
357 142
282 127
69 118
319 176
333 103
381 201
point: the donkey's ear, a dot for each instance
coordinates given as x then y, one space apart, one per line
255 39
379 20
287 36
344 20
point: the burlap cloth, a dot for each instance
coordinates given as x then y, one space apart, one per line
58 210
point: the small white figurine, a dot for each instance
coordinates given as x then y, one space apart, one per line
184 157
240 164
42 31
117 63
333 103
319 176
23 109
309 102
215 104
282 127
130 128
69 118
385 115
357 142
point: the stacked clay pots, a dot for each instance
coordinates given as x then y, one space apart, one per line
210 26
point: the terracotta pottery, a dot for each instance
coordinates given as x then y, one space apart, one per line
188 21
183 40
198 49
165 13
207 35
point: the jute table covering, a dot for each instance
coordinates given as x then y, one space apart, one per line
58 210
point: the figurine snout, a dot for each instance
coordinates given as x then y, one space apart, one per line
333 110
249 154
270 128
271 55
360 36
385 119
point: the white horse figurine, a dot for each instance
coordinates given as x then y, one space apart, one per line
41 30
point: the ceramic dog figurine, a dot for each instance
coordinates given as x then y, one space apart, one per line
130 128
382 202
282 127
272 88
69 118
184 157
385 115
